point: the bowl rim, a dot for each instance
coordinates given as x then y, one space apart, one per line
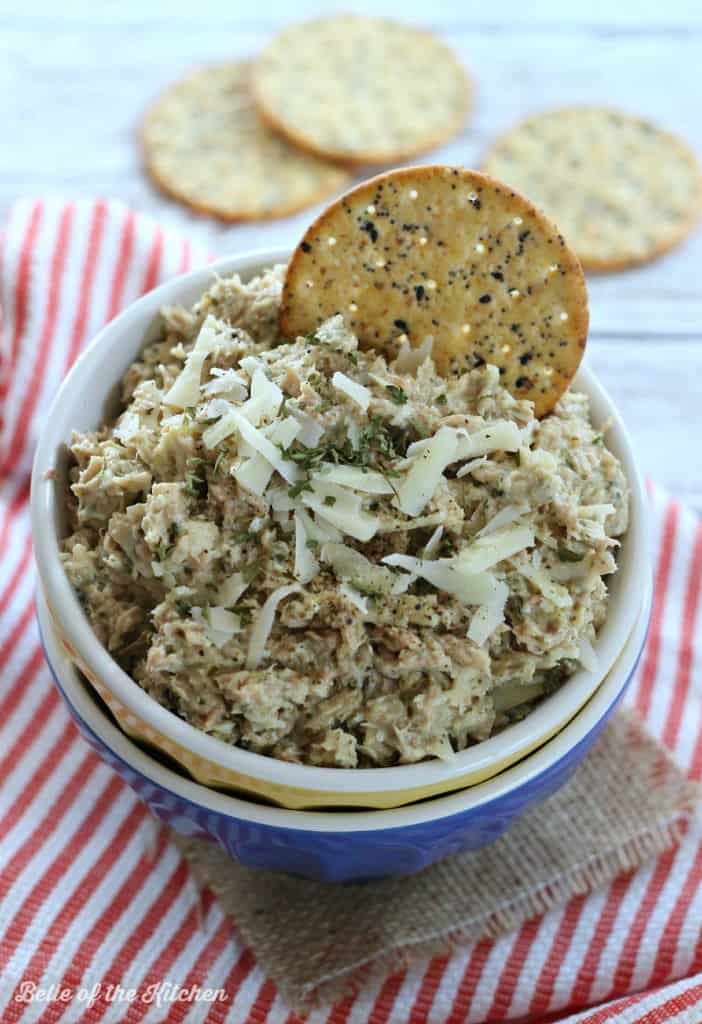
213 801
137 319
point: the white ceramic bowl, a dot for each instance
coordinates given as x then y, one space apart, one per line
88 397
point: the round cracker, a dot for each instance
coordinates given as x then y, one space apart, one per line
361 89
621 189
205 145
451 253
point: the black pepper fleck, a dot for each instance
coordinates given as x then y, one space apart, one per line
371 229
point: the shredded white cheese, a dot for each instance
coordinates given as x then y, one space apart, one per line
223 620
253 474
219 624
127 427
352 389
470 466
219 431
489 616
487 551
533 570
500 435
405 581
448 574
427 470
508 514
311 431
420 523
257 439
432 545
369 481
306 565
284 432
185 390
283 521
214 409
321 532
280 500
342 508
354 597
226 382
571 571
349 564
235 421
402 584
231 590
264 623
250 364
410 359
173 422
353 432
265 401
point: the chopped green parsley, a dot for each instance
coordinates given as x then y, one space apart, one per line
397 394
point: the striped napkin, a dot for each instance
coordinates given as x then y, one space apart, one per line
88 913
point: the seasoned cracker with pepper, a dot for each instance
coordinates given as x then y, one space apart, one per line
446 254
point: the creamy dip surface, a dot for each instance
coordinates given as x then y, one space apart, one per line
313 553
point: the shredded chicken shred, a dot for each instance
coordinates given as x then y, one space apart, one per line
313 554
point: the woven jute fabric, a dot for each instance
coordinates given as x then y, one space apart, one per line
626 803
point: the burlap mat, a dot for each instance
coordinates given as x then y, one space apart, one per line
626 803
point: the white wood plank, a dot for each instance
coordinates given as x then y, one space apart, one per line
631 15
657 387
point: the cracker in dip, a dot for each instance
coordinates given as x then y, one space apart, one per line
310 553
450 253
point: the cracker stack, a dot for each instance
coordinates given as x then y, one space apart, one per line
205 145
252 140
248 141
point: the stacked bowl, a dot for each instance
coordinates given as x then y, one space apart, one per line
329 823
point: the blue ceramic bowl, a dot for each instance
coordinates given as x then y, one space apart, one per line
345 845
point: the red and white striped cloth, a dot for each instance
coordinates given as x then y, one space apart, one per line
81 901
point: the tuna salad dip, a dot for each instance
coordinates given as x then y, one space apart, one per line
313 553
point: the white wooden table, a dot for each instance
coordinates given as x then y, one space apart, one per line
75 77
